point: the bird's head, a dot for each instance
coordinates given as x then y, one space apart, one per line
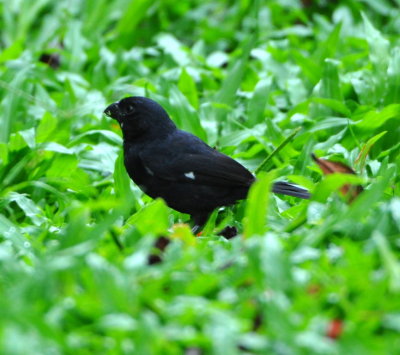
140 117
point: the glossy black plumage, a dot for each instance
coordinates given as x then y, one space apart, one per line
177 166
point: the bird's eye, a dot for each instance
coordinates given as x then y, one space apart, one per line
130 108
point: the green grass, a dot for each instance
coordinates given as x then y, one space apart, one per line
246 76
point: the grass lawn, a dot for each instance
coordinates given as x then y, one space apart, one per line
91 265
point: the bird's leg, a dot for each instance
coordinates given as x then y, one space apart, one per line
199 220
195 229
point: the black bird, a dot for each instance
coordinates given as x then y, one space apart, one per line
177 166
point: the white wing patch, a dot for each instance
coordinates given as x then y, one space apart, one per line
190 175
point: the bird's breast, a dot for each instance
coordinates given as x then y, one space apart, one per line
135 168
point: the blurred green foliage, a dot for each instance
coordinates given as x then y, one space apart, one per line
76 234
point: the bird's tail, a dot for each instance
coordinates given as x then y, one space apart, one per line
284 188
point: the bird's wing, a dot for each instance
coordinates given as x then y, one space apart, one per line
201 166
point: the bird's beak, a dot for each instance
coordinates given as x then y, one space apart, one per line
113 111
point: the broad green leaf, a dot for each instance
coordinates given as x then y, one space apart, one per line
393 91
234 76
31 211
46 128
12 174
133 14
310 69
217 59
184 115
3 154
109 135
330 122
121 179
173 47
152 219
65 173
329 47
376 118
274 263
29 137
12 232
390 261
258 102
12 52
330 85
188 88
183 233
10 103
372 195
334 182
254 222
335 105
379 47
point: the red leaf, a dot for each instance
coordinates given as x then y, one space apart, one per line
313 289
330 167
335 329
